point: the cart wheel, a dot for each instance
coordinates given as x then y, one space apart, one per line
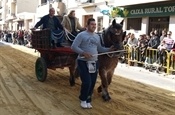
41 69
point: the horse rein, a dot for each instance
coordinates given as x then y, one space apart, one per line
67 36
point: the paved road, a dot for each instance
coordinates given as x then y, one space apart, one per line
144 76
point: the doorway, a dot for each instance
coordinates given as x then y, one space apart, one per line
86 17
159 24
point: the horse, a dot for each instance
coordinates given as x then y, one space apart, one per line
112 36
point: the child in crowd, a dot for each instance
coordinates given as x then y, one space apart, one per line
142 51
161 52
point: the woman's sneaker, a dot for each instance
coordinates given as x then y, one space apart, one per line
89 105
83 104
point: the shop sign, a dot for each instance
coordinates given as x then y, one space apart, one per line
149 11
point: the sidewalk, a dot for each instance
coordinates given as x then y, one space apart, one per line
142 75
138 74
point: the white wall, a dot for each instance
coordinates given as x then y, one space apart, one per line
70 3
144 25
27 6
132 2
172 26
80 12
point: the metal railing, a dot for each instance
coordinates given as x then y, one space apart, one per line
151 57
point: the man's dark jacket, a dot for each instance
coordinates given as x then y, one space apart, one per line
154 42
44 21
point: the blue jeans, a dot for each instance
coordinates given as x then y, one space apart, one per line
88 80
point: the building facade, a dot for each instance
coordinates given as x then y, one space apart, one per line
93 8
139 16
148 16
45 5
17 14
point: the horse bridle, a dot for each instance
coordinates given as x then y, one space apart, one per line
116 45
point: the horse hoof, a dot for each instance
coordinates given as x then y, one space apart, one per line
99 89
106 97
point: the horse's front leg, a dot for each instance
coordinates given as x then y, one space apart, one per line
104 85
109 80
109 76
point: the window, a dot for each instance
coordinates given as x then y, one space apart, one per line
134 23
159 24
90 1
100 24
86 1
43 1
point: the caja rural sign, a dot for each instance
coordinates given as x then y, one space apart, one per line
149 11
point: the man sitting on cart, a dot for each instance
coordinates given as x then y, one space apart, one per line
72 25
51 22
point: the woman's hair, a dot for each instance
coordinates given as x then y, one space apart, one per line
70 13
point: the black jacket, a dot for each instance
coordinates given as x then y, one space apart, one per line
44 21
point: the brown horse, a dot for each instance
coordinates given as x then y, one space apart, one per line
113 35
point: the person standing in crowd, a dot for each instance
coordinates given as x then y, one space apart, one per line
161 52
21 37
154 41
125 41
152 44
156 34
132 43
87 45
15 36
71 23
163 35
142 50
169 41
51 22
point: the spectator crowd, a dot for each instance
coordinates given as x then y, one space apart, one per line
20 37
150 48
